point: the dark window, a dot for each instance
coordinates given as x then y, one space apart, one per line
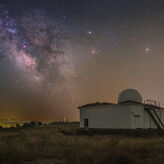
137 116
85 122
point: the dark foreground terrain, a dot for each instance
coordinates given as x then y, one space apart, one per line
66 143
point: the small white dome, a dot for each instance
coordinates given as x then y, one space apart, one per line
129 95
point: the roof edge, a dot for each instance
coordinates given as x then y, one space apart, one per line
125 102
95 104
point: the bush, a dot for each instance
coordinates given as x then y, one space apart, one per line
26 125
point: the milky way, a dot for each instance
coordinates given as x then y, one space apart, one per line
56 55
33 49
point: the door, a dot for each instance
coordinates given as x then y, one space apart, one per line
86 123
136 121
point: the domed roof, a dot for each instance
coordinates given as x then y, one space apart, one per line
129 95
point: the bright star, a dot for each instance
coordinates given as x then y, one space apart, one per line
93 51
147 49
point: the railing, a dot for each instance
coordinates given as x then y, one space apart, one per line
156 119
152 103
149 111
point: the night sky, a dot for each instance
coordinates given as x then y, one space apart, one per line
58 54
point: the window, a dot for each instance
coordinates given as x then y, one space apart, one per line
136 116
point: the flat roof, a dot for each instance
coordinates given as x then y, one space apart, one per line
96 104
126 102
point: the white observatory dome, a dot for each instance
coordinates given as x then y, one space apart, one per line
129 95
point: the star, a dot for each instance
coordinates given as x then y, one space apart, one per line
24 46
93 51
147 49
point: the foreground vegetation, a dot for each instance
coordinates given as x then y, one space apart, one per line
65 143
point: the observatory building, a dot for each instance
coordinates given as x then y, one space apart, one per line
129 113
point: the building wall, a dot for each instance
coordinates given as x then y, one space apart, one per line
120 116
140 118
137 116
148 121
162 115
108 116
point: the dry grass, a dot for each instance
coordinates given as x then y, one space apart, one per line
61 144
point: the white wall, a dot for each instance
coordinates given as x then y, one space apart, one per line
144 120
149 122
108 116
125 116
162 114
137 116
